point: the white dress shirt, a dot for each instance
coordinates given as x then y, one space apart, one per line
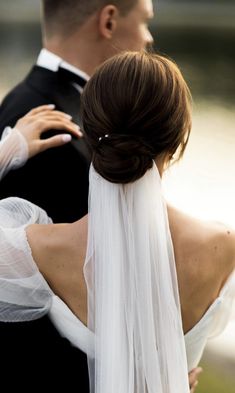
52 62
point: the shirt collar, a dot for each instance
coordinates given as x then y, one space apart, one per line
52 62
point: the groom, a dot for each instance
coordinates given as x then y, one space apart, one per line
78 35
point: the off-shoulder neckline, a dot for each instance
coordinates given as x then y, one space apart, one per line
213 305
193 329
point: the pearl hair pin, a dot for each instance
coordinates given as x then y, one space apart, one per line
102 137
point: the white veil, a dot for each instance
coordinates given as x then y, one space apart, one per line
133 300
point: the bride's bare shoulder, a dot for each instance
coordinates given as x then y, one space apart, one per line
215 241
53 244
45 242
222 242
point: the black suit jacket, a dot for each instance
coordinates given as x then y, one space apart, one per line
56 180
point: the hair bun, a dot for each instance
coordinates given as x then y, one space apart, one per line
122 158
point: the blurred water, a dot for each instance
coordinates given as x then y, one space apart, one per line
19 45
203 183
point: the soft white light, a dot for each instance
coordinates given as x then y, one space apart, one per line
203 183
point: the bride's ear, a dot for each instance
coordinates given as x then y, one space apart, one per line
108 21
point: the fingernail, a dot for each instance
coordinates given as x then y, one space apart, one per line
66 138
199 369
68 116
51 106
78 129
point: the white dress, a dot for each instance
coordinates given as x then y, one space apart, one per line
25 294
212 323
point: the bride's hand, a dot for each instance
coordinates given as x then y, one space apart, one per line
44 118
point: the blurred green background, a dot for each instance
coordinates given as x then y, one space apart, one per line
200 36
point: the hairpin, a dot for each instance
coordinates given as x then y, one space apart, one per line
102 137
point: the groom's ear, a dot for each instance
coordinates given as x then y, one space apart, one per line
108 21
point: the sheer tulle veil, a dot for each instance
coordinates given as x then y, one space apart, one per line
133 300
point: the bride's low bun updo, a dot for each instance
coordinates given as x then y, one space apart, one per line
122 158
135 108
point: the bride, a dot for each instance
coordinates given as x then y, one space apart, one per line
137 285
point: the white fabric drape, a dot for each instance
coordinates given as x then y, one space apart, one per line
133 300
13 150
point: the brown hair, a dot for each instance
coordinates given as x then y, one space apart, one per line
65 16
142 102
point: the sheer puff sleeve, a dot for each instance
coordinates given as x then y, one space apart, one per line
24 293
13 150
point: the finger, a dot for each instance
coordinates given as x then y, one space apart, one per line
193 375
54 115
193 388
40 109
192 378
38 123
46 113
60 125
54 141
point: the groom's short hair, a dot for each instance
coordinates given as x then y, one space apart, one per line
65 16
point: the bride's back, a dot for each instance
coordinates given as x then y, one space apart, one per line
204 256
